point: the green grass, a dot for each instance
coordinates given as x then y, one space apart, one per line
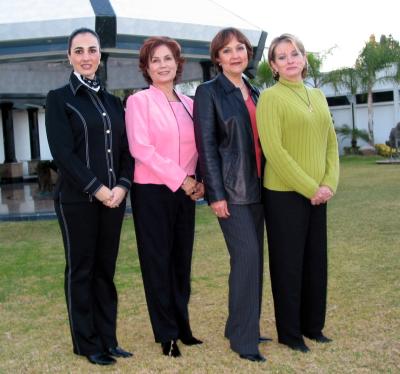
363 314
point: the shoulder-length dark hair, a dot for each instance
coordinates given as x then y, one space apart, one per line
81 30
222 38
296 42
147 52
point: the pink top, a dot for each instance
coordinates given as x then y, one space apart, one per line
252 112
161 138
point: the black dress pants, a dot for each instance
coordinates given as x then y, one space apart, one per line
164 226
297 242
91 234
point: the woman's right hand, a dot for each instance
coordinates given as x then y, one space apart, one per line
220 208
104 195
189 185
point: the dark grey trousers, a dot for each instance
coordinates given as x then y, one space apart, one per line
244 236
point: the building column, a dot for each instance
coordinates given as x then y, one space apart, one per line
8 132
11 170
102 70
34 133
207 68
396 103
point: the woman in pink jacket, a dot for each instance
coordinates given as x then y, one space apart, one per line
161 139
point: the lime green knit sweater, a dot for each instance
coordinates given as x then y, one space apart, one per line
300 146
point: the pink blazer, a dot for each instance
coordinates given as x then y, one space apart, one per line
153 137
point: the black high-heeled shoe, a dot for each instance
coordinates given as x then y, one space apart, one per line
170 349
119 352
191 341
255 358
101 358
319 338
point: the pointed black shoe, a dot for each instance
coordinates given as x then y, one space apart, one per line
101 359
191 341
319 338
296 345
171 349
255 358
119 352
264 339
300 347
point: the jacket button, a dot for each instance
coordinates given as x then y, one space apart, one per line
109 150
107 131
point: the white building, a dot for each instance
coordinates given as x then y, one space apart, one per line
386 109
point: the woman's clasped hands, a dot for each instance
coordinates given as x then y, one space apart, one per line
323 194
193 188
111 198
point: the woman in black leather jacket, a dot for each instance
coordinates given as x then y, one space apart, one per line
230 162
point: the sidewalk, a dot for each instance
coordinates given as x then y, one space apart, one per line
23 202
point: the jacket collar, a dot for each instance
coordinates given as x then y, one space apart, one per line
75 84
228 86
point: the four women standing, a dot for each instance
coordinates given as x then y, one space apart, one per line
86 133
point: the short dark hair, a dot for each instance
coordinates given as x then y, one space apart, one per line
222 38
147 51
81 30
296 42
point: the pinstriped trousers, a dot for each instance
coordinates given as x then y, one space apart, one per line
244 236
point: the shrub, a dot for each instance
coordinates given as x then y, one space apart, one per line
384 150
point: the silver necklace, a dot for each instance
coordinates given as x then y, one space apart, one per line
310 108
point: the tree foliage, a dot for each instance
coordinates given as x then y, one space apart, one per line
264 77
378 61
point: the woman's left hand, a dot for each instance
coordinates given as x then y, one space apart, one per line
118 196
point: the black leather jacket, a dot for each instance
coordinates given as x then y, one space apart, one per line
225 142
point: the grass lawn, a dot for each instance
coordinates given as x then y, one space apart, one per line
363 314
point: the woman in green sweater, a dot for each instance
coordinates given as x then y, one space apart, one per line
301 175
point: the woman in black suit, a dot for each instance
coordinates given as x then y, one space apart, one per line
86 134
230 161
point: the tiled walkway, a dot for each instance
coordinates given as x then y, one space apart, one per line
23 201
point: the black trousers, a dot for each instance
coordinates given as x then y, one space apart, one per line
297 242
244 236
91 234
164 226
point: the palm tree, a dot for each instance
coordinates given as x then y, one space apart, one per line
264 77
350 80
353 133
314 73
378 57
